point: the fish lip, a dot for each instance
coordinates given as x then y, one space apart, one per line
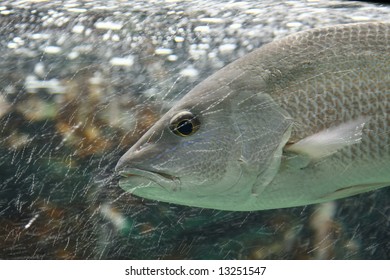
165 180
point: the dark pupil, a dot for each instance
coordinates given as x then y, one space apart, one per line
185 127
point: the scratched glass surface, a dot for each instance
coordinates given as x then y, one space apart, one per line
81 81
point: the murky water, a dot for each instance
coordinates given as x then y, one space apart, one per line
81 81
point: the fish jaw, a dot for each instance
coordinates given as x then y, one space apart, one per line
137 173
135 178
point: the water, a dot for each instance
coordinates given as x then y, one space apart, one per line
81 81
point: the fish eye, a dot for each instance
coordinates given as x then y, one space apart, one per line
184 124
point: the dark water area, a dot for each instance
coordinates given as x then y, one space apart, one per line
80 82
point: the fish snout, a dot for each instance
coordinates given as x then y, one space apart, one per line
135 167
135 156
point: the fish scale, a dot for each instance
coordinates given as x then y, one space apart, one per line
302 104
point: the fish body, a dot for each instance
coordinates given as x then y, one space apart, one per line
301 120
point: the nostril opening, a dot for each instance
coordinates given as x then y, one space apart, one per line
142 147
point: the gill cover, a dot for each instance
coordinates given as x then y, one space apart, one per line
264 129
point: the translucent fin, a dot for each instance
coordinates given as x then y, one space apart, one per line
329 141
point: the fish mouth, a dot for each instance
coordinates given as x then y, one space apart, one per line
165 180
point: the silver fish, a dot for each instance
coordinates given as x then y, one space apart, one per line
302 120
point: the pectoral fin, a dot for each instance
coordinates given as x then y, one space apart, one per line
329 141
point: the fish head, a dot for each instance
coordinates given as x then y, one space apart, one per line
190 152
207 150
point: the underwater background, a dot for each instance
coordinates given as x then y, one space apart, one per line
81 81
